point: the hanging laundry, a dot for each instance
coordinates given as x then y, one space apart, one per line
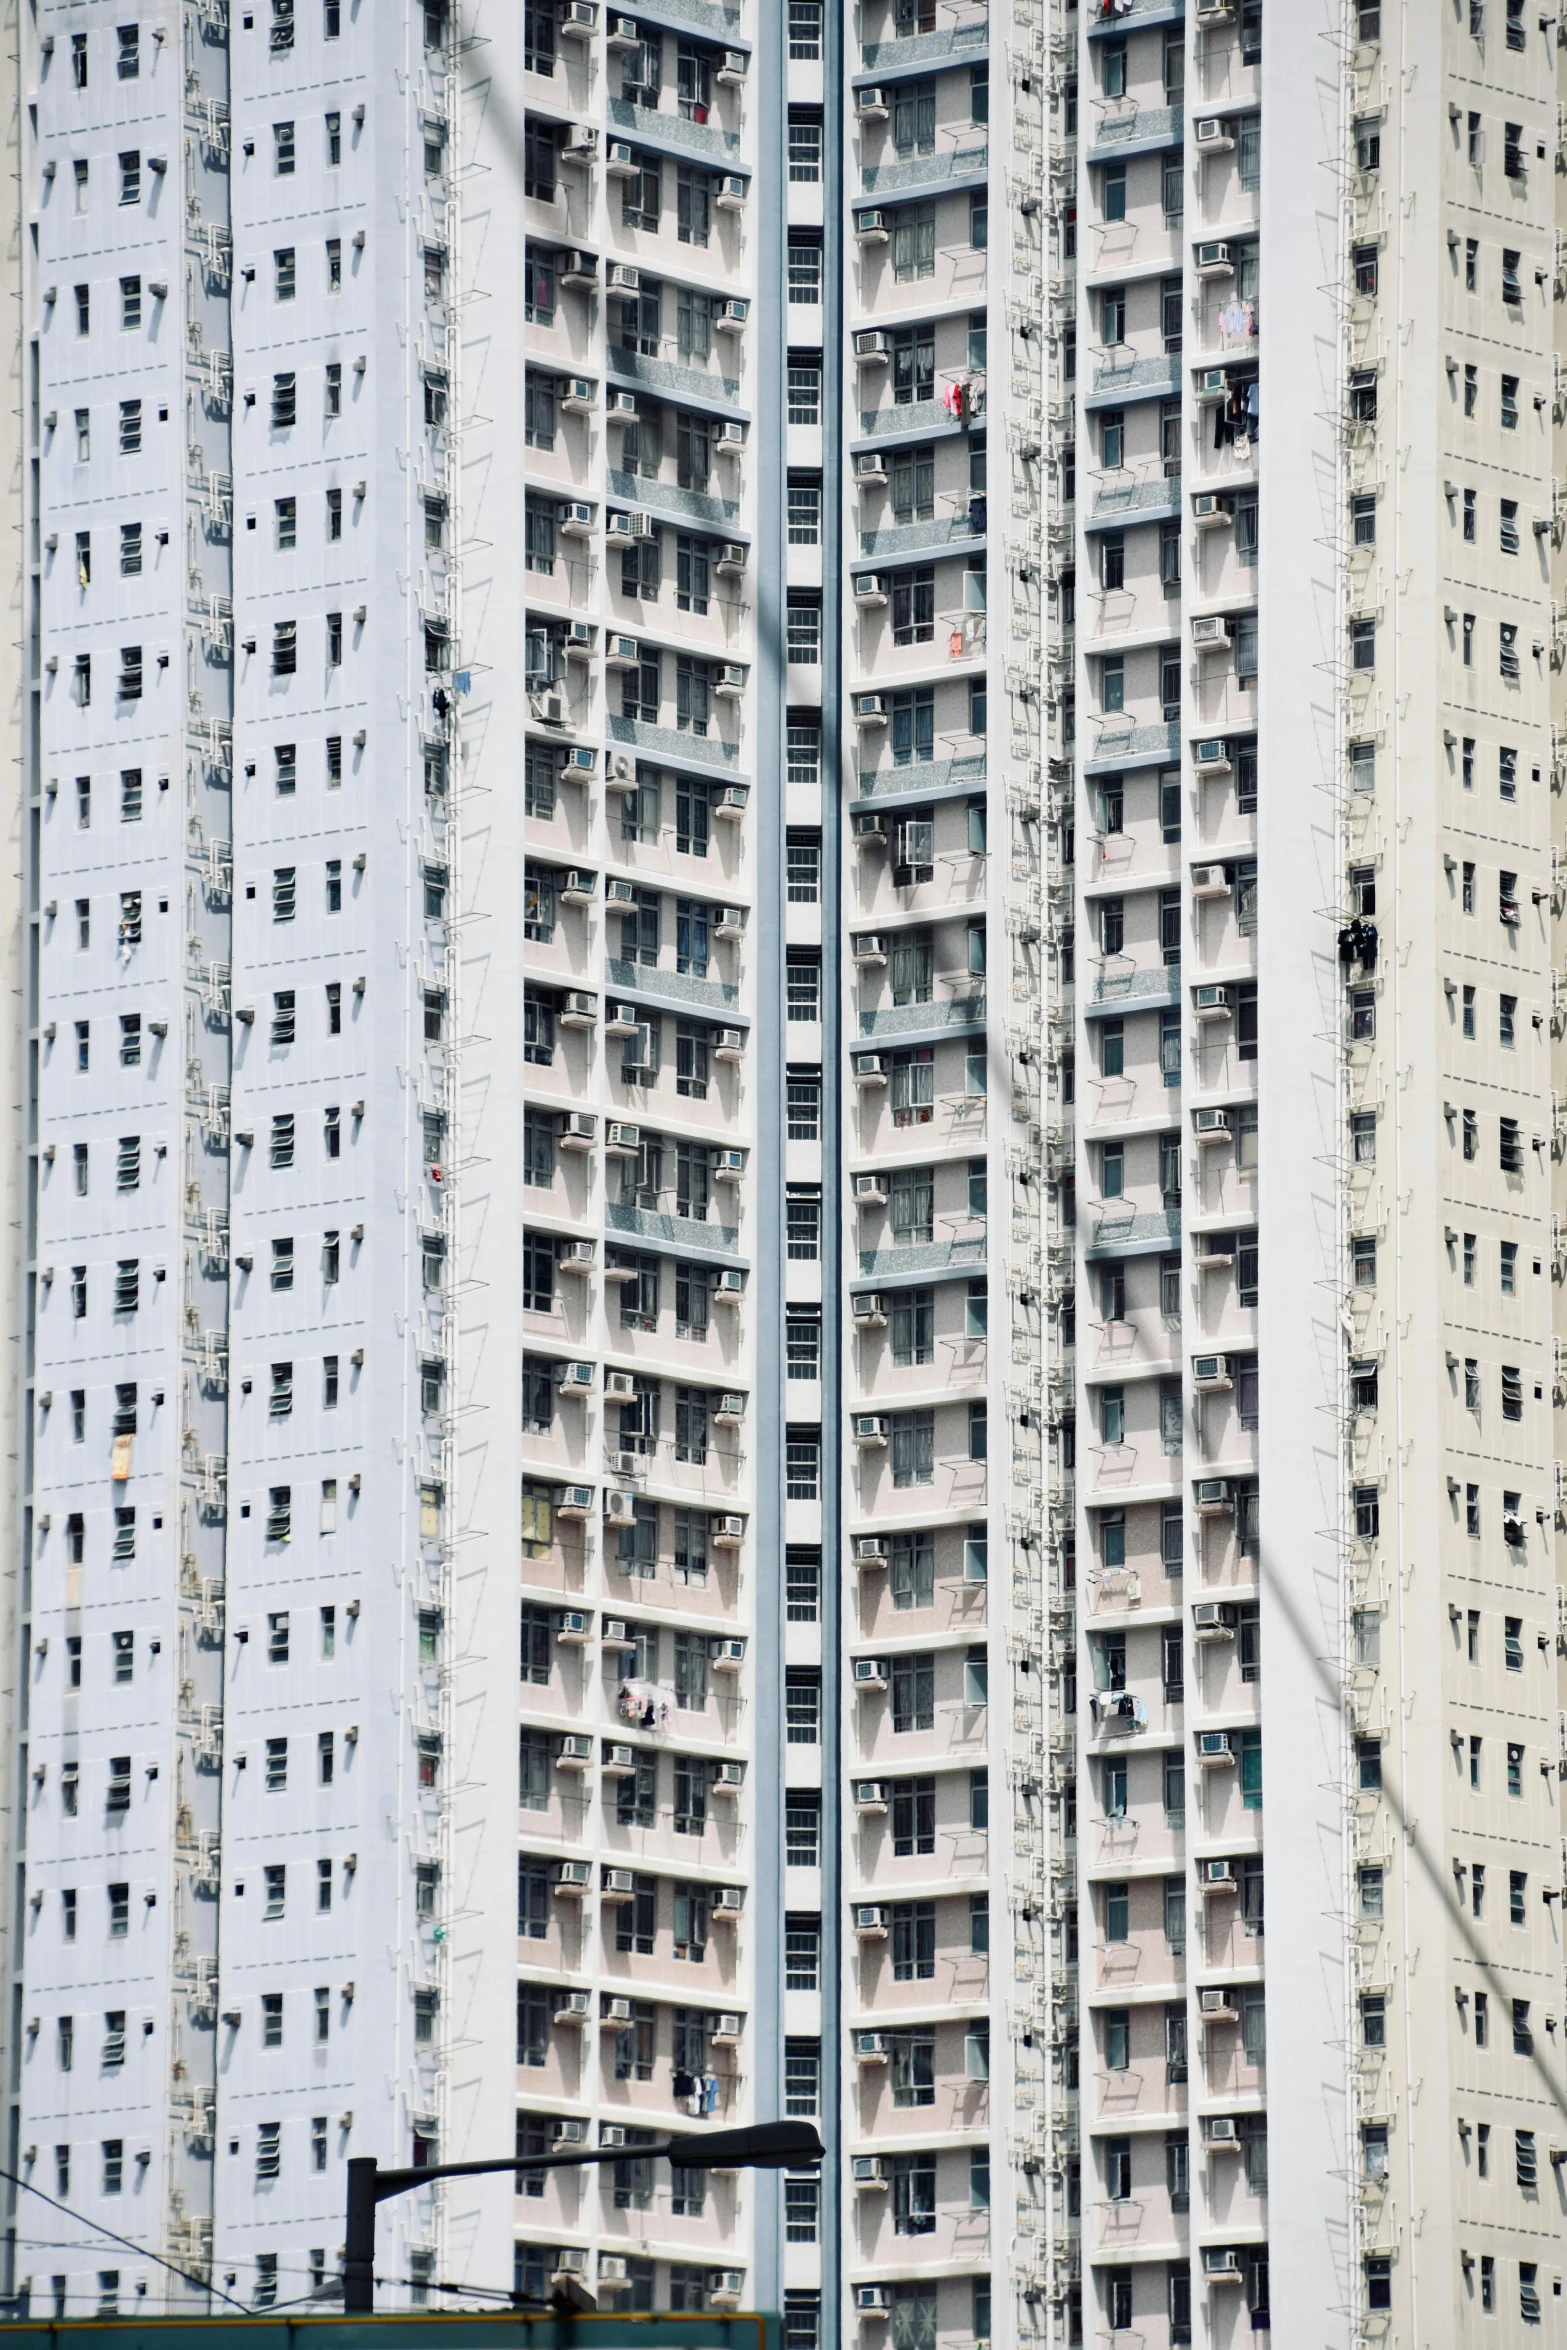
952 400
1253 409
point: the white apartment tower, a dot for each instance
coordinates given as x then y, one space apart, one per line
807 1103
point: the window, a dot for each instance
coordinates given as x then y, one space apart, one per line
805 267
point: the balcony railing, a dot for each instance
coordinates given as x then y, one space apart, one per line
1160 373
967 39
922 777
669 742
911 538
926 1256
675 1231
668 375
700 138
925 171
1159 985
675 987
966 1011
633 490
1145 126
1138 1225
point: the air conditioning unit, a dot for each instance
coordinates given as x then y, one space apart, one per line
732 802
731 316
1213 1497
870 1551
572 2007
869 1069
580 143
729 1287
1221 2263
1210 512
619 1386
1211 1125
1214 2004
577 1128
1211 633
1208 1622
572 1627
624 530
578 888
574 1502
1218 1876
871 104
870 1191
869 949
575 1256
624 278
1211 13
1211 1003
726 1531
1211 757
726 2288
870 468
870 1431
870 2047
614 2268
730 923
621 1019
572 1876
571 2261
574 519
870 228
618 1762
870 1672
578 1009
622 33
728 1901
870 1795
728 1777
1220 2129
872 2300
620 1507
731 559
580 397
578 762
618 1885
869 710
733 189
729 1044
732 72
1213 1749
869 591
727 1656
1211 135
1211 387
869 1309
870 1921
868 2170
727 2030
1213 260
621 652
1211 1374
872 347
570 2130
620 160
1210 881
730 682
578 19
614 2012
575 1751
574 1378
731 1410
728 1165
622 1141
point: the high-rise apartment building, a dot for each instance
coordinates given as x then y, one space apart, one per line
630 1031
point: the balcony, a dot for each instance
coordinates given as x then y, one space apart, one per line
912 538
674 743
923 780
1142 132
970 39
655 127
925 171
673 1231
668 375
919 1259
1116 983
925 1020
1136 1232
664 497
670 987
1139 501
723 23
1134 746
1134 16
1137 379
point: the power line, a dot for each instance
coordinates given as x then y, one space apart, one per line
138 2251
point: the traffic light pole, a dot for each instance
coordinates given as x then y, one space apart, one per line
769 2146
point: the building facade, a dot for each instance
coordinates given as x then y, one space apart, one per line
992 956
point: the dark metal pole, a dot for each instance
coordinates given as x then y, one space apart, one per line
359 2236
763 2146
